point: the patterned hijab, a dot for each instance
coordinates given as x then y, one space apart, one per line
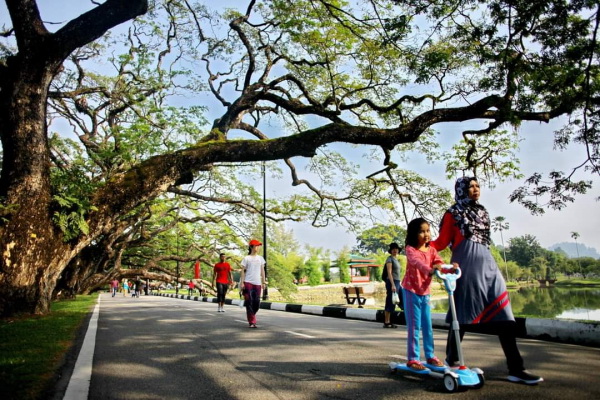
471 217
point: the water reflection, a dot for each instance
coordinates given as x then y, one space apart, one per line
537 302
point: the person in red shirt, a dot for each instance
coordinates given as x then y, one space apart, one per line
222 276
191 287
114 285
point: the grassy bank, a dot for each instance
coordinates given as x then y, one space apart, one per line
32 348
578 282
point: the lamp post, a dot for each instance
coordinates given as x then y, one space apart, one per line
177 255
575 236
499 224
264 176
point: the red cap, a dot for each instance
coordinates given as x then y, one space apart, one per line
254 242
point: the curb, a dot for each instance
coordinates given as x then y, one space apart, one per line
553 330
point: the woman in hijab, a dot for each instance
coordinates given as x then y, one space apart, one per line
481 298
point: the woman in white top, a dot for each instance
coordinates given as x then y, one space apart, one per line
252 280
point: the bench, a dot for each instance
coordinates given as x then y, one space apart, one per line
355 295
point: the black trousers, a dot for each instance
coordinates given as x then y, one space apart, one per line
506 332
221 292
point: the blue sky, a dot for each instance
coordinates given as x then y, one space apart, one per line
536 154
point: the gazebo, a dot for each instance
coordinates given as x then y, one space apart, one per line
360 268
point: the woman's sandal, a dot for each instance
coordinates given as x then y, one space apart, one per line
435 362
389 325
253 326
416 365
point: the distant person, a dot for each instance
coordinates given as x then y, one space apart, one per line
482 301
191 288
252 280
421 262
222 278
114 287
391 277
125 287
138 287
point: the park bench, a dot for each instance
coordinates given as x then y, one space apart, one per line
355 295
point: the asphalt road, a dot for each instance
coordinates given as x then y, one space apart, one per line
164 348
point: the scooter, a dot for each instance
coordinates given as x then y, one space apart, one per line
456 377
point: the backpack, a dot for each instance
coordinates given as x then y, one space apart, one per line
384 274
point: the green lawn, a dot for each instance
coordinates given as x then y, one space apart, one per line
578 282
31 348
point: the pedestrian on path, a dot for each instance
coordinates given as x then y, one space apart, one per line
222 277
421 262
482 301
252 281
391 277
114 286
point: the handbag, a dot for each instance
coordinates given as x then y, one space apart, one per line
395 298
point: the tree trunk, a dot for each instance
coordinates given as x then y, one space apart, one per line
33 253
32 248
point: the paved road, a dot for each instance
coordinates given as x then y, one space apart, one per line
165 348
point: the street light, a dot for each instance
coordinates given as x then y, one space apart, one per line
575 236
177 255
264 176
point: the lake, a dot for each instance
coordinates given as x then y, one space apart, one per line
550 303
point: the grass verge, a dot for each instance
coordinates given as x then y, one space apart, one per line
32 348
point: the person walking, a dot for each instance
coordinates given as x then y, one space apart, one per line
481 297
222 277
391 277
252 281
421 262
138 287
114 286
191 287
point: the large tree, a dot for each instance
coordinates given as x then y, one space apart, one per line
385 75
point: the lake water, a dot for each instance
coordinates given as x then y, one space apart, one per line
550 303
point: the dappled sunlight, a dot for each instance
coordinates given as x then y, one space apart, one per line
134 370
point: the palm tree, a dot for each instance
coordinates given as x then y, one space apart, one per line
500 224
575 236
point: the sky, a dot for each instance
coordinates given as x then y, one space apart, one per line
536 154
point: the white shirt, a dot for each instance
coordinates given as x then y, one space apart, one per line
253 266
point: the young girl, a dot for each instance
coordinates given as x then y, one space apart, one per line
252 281
421 263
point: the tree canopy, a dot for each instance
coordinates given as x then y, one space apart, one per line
287 80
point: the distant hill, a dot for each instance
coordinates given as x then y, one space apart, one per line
571 249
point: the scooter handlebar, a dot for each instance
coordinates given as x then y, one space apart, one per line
448 269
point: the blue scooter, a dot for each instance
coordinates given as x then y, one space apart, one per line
456 377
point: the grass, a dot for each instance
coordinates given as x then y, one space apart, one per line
31 348
578 282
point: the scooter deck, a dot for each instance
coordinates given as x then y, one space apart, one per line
427 371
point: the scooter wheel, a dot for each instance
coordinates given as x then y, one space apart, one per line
450 383
481 382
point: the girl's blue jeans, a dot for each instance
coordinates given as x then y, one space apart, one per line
418 320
